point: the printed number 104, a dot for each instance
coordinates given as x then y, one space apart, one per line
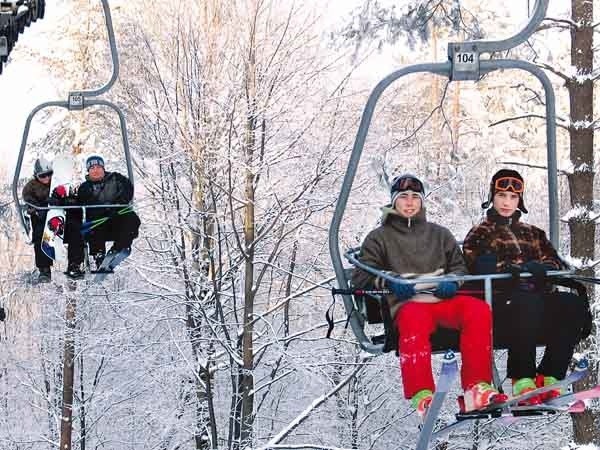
465 58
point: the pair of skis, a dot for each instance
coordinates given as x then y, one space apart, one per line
511 410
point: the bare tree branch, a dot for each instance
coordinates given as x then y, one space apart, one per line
526 116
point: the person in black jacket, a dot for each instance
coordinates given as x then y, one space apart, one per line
107 188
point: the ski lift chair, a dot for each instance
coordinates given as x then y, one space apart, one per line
464 63
77 101
14 17
369 309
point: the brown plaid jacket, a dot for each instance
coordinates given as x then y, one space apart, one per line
512 241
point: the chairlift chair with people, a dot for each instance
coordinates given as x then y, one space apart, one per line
77 101
465 63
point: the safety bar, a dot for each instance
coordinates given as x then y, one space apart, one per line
46 208
436 279
357 323
66 105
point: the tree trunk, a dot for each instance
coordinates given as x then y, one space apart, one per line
246 377
66 423
581 181
82 412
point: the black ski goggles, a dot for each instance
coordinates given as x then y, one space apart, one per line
44 175
407 184
509 183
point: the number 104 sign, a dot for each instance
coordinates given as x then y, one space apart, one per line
466 61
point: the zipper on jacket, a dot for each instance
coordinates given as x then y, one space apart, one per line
516 240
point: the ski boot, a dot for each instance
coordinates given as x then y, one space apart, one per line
98 258
543 381
482 395
421 401
74 272
523 386
45 275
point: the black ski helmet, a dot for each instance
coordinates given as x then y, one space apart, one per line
406 182
505 173
42 167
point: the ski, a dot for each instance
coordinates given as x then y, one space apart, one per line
542 409
447 375
512 415
573 397
581 369
507 409
111 260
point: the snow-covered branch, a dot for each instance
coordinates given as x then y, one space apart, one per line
304 415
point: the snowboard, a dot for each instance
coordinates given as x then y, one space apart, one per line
111 260
53 244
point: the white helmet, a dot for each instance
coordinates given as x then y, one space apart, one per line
42 166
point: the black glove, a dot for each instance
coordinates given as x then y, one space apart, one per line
485 264
32 211
538 270
515 271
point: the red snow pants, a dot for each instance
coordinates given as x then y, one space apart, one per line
417 321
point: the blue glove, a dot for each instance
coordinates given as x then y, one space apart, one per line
403 291
446 289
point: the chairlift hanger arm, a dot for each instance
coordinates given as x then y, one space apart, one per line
465 57
63 104
76 98
444 69
489 46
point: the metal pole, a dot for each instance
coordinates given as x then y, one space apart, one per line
113 53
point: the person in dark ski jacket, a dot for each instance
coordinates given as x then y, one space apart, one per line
411 247
107 188
526 309
37 192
